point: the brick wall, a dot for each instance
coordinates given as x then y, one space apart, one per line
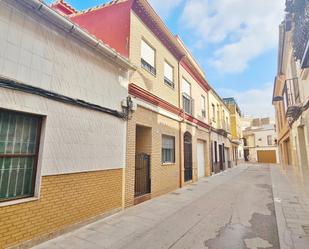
154 84
164 178
65 200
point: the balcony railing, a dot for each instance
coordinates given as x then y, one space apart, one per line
291 97
187 103
298 18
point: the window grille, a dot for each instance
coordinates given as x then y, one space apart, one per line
168 149
19 138
148 57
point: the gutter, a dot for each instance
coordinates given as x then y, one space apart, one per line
68 26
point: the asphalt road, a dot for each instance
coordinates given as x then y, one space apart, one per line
232 210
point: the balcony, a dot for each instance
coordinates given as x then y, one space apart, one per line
291 97
298 18
188 104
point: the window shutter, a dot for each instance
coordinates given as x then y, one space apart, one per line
186 87
148 54
203 104
167 142
168 71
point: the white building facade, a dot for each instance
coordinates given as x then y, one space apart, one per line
62 124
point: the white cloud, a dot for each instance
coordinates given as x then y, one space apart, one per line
241 30
165 7
253 102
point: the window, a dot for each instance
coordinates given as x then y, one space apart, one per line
269 140
19 137
168 74
223 119
203 106
168 149
148 58
186 97
213 112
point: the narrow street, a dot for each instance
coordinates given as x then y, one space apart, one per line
231 210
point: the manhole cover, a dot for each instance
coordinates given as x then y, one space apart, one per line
306 229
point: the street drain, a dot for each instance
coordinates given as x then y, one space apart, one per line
175 193
190 189
306 229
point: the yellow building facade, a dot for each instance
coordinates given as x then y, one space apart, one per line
223 155
236 128
291 94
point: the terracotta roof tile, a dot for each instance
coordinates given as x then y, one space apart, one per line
65 4
101 6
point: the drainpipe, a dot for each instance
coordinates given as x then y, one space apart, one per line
182 116
68 26
210 143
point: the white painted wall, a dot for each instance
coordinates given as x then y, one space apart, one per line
261 137
36 53
257 140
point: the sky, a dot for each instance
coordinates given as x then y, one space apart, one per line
234 41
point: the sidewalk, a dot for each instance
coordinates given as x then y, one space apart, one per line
292 210
156 218
231 210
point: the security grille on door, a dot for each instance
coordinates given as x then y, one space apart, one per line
188 156
142 174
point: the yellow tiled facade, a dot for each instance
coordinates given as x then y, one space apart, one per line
198 135
164 178
150 122
64 200
152 83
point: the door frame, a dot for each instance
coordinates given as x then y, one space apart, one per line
188 164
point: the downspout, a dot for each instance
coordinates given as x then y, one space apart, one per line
210 142
182 116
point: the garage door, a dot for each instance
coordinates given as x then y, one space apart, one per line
266 156
200 159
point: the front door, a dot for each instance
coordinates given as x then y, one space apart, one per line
201 159
187 157
221 156
142 175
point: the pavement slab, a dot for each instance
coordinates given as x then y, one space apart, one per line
292 210
232 210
